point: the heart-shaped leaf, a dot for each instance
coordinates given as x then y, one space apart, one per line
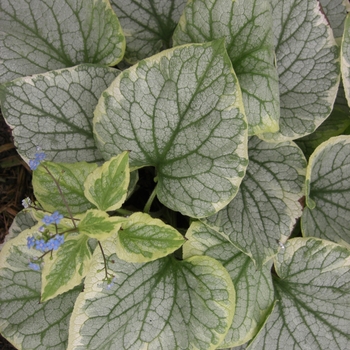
327 214
180 111
143 239
247 29
345 58
23 319
70 178
308 67
313 298
163 304
54 111
263 213
39 35
254 290
148 26
65 268
107 186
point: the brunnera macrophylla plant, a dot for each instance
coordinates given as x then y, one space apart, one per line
191 166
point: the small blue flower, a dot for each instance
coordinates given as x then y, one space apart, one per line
30 242
111 283
59 239
39 157
34 266
33 164
56 217
41 245
47 220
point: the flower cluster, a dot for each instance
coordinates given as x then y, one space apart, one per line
54 218
45 245
39 157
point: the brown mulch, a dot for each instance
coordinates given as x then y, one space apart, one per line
15 184
15 180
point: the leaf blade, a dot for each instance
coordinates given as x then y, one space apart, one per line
195 137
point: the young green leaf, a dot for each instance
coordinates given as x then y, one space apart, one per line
345 58
254 290
148 26
54 111
247 29
313 307
65 268
39 36
180 111
266 207
98 224
308 67
23 319
143 239
163 304
327 214
107 186
70 178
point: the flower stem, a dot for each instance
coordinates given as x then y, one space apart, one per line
104 259
62 195
148 205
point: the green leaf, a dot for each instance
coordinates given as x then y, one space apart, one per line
97 224
65 268
308 67
345 58
163 304
107 186
180 111
336 13
143 239
148 26
247 29
23 319
70 179
328 179
265 210
39 35
254 290
54 111
337 123
312 289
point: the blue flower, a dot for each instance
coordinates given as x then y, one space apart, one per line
55 242
34 266
39 157
55 217
41 245
33 164
30 242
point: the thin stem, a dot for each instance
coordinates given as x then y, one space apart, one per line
148 205
124 212
104 259
62 196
